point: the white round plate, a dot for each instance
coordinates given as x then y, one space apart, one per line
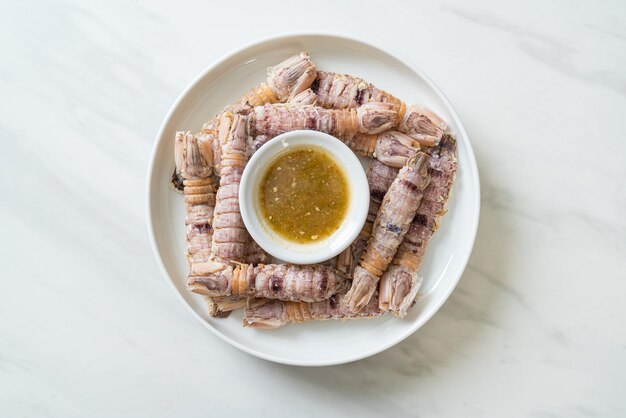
329 342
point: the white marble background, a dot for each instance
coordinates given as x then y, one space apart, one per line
88 327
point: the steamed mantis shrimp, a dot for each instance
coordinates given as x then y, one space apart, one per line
278 313
272 281
230 237
235 160
343 91
274 119
392 222
193 155
400 283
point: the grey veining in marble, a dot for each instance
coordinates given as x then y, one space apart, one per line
536 326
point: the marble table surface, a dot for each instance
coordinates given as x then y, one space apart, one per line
536 327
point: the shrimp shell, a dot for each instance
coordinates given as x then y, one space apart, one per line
230 236
194 159
278 313
392 222
400 283
274 119
272 281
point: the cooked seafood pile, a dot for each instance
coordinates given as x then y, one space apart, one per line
411 171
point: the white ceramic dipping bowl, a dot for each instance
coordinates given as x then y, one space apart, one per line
260 230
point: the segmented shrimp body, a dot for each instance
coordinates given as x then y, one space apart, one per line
400 283
272 281
274 119
278 313
231 241
230 236
194 157
392 222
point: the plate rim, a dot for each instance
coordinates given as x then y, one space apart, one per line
472 169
